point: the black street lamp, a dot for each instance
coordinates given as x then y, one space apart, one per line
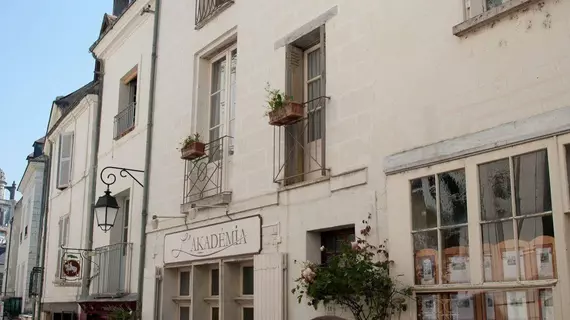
107 207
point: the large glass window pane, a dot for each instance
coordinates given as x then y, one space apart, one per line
184 313
452 197
499 254
495 190
455 246
532 183
184 283
215 282
425 254
247 313
247 278
424 208
536 245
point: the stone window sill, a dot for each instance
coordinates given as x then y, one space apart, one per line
490 16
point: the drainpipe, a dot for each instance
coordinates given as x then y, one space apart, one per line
42 240
8 258
99 75
144 210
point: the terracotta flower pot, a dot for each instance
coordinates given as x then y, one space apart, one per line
193 151
286 115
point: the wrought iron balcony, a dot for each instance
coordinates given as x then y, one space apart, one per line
299 148
111 268
204 177
207 9
125 121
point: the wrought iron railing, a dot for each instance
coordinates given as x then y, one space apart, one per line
125 120
204 176
112 265
206 9
299 148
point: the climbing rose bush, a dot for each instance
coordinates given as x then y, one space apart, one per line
357 279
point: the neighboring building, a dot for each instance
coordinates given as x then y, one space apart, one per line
124 52
68 145
31 188
448 128
13 247
6 212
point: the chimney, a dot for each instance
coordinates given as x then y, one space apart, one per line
119 6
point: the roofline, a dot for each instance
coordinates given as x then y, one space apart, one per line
109 28
71 108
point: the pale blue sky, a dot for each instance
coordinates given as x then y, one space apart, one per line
44 53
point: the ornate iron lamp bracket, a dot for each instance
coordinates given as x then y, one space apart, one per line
111 177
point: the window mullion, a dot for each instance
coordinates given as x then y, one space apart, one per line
474 227
514 214
439 238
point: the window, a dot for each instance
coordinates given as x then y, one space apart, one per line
215 282
498 304
64 316
247 280
215 313
207 9
65 156
332 241
439 211
305 82
222 98
516 218
126 212
1 282
26 231
184 284
247 313
126 116
184 312
63 229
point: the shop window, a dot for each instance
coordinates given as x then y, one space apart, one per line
516 218
184 284
247 280
439 225
505 305
333 241
215 282
247 313
184 312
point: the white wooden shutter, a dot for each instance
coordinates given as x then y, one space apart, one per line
65 155
269 286
59 243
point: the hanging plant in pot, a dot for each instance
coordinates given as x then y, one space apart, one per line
192 148
281 109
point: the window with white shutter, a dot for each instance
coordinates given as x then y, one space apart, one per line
65 154
63 239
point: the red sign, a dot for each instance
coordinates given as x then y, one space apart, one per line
71 268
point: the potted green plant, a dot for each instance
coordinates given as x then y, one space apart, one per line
281 109
192 148
358 279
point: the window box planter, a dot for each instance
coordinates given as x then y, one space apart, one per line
289 113
193 150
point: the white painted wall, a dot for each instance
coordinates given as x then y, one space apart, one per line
397 79
72 200
126 46
13 238
31 189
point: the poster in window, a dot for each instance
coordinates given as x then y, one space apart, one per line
429 308
516 305
490 306
462 307
427 271
547 305
458 269
488 267
544 262
510 265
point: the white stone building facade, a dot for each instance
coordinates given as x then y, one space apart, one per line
408 95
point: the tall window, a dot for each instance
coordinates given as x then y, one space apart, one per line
511 240
63 230
126 213
516 218
184 294
332 242
439 224
313 73
222 97
64 163
126 115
